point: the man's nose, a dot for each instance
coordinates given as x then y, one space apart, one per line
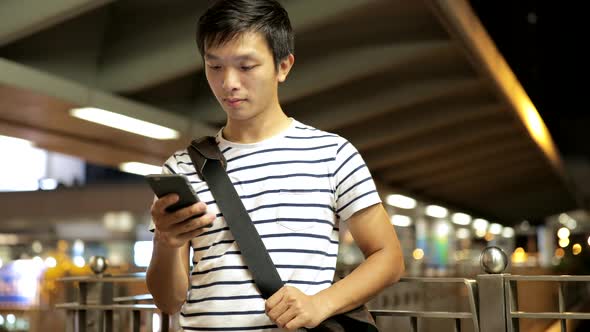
231 80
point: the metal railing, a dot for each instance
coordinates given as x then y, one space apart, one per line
513 314
106 304
492 301
416 315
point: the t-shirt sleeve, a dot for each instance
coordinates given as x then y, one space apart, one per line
169 167
355 187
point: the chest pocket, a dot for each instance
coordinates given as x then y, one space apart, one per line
302 211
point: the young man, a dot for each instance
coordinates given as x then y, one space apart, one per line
298 184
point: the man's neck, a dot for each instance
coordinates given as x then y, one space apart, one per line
256 129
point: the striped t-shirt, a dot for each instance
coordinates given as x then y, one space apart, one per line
296 186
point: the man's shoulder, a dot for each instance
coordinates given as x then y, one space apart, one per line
306 131
176 159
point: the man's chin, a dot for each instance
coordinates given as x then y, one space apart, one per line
239 114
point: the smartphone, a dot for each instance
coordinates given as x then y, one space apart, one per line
164 184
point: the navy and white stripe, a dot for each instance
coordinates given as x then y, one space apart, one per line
297 187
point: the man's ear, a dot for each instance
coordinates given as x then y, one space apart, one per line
284 67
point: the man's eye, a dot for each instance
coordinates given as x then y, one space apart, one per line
247 68
213 67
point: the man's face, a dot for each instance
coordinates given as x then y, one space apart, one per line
243 76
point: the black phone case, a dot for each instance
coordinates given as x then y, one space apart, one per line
164 184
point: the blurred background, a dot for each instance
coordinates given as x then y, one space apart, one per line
459 108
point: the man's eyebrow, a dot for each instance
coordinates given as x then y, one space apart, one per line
247 56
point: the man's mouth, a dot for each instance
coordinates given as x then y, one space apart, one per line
234 101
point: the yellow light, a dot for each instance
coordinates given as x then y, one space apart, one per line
519 255
559 253
123 122
576 249
564 242
536 128
489 237
418 254
535 125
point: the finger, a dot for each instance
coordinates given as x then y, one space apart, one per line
185 237
297 322
189 212
277 311
274 299
192 224
285 318
160 205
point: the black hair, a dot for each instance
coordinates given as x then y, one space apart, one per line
225 20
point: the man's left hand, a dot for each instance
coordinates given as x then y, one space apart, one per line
291 309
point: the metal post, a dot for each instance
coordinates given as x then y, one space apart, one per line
492 305
413 324
106 297
492 300
165 323
81 313
511 305
136 320
70 321
108 321
561 297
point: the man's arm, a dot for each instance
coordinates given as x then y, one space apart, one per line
167 276
383 266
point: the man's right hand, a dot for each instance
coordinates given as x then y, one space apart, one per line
175 229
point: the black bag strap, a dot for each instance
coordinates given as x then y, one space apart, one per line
210 163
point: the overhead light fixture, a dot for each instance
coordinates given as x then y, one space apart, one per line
401 220
123 122
463 233
496 229
461 219
436 211
48 184
480 224
401 201
508 232
563 233
571 224
139 168
442 229
563 218
14 142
